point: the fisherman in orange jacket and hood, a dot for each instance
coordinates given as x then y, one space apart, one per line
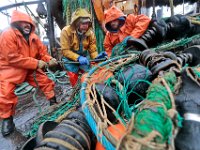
21 53
119 27
141 32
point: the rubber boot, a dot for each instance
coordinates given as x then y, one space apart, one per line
53 101
8 126
73 78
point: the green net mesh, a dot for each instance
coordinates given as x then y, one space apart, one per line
54 115
196 71
155 116
121 48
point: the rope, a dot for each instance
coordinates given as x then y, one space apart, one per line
97 117
55 76
54 114
153 123
35 92
175 44
154 120
60 142
26 88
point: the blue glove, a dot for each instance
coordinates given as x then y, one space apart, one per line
83 60
101 55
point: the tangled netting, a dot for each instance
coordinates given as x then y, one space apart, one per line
71 5
123 116
56 113
121 48
152 126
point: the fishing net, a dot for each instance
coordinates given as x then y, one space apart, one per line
71 5
122 48
150 121
56 113
154 123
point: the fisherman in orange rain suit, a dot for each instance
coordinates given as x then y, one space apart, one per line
119 27
21 52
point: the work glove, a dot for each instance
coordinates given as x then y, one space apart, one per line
102 55
53 62
83 60
41 64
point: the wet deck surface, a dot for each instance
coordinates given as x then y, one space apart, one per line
26 113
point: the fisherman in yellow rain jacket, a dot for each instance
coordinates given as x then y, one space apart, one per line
77 40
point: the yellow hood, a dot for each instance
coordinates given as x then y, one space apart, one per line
79 13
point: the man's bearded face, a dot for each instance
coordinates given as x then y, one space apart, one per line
115 24
25 26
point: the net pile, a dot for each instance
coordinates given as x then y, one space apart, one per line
148 122
56 113
122 48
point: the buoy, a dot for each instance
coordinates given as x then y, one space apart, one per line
116 131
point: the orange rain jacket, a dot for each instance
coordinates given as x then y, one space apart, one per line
134 26
16 55
18 60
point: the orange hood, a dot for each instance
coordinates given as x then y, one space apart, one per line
112 14
20 16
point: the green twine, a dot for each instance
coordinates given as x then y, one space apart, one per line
158 93
69 6
175 44
196 72
124 93
53 116
121 48
156 117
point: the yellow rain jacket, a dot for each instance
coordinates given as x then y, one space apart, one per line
70 42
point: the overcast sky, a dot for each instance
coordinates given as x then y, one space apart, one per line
5 20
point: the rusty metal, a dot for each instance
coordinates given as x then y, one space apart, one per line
20 4
50 31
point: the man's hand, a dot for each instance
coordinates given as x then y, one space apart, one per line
53 62
41 64
83 60
102 55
